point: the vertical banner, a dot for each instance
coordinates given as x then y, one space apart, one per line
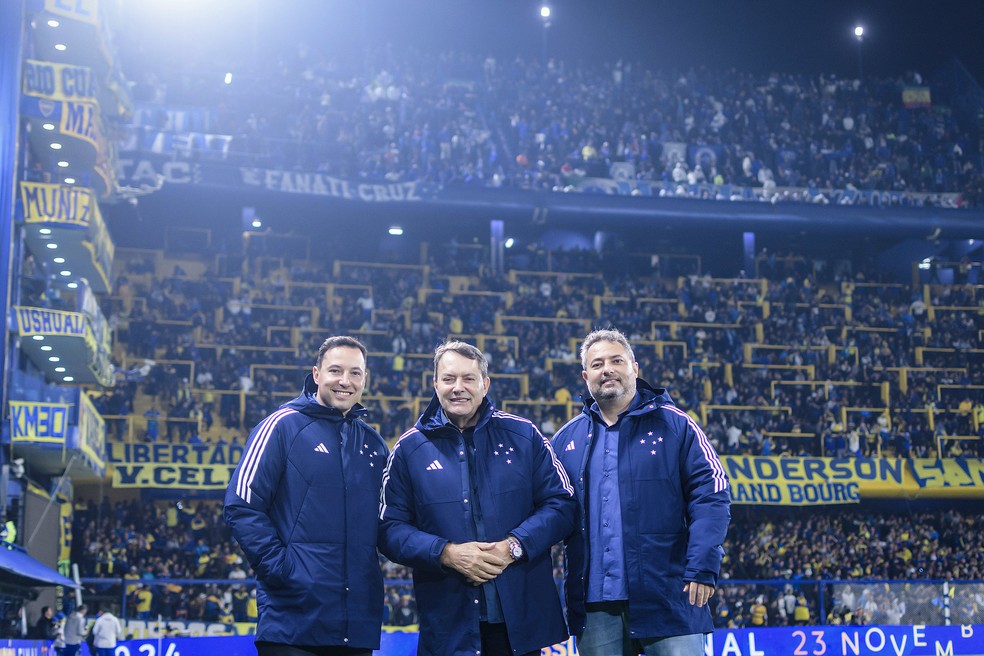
65 530
92 433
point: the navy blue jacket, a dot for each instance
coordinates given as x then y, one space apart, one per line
675 513
424 505
302 504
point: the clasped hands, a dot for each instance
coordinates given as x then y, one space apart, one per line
479 562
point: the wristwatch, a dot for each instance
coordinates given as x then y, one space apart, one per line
515 548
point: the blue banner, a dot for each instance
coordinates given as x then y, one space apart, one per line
877 640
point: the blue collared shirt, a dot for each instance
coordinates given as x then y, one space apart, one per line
606 558
490 609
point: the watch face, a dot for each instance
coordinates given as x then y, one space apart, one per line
517 551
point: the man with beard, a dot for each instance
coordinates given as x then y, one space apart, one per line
655 509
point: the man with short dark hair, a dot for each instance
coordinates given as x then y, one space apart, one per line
302 504
655 508
473 499
44 628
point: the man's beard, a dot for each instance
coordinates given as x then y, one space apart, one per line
611 393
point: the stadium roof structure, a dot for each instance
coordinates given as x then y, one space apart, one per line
18 568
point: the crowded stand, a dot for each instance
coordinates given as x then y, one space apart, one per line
460 119
159 552
823 365
799 360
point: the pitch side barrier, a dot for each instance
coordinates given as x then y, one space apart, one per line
791 602
876 640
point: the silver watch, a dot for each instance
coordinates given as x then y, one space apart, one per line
515 548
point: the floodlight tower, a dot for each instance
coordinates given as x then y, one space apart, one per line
859 35
545 14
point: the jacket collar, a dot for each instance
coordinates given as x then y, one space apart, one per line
434 423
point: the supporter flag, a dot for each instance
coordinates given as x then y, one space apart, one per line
675 151
622 171
705 155
916 97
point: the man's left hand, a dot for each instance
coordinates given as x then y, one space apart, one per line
699 593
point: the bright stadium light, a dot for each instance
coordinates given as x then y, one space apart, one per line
396 231
545 14
509 243
228 78
859 35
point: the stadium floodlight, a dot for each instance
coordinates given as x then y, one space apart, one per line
859 35
228 78
545 14
509 243
396 231
61 47
257 223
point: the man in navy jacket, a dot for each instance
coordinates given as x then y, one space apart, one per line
473 499
655 508
302 504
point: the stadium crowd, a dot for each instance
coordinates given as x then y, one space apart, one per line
835 339
143 547
801 360
461 119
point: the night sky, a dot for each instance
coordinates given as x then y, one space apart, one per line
809 36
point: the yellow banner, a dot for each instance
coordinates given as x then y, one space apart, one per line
917 97
811 481
92 432
57 203
65 534
100 245
58 81
950 477
86 11
39 422
81 120
187 466
41 321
